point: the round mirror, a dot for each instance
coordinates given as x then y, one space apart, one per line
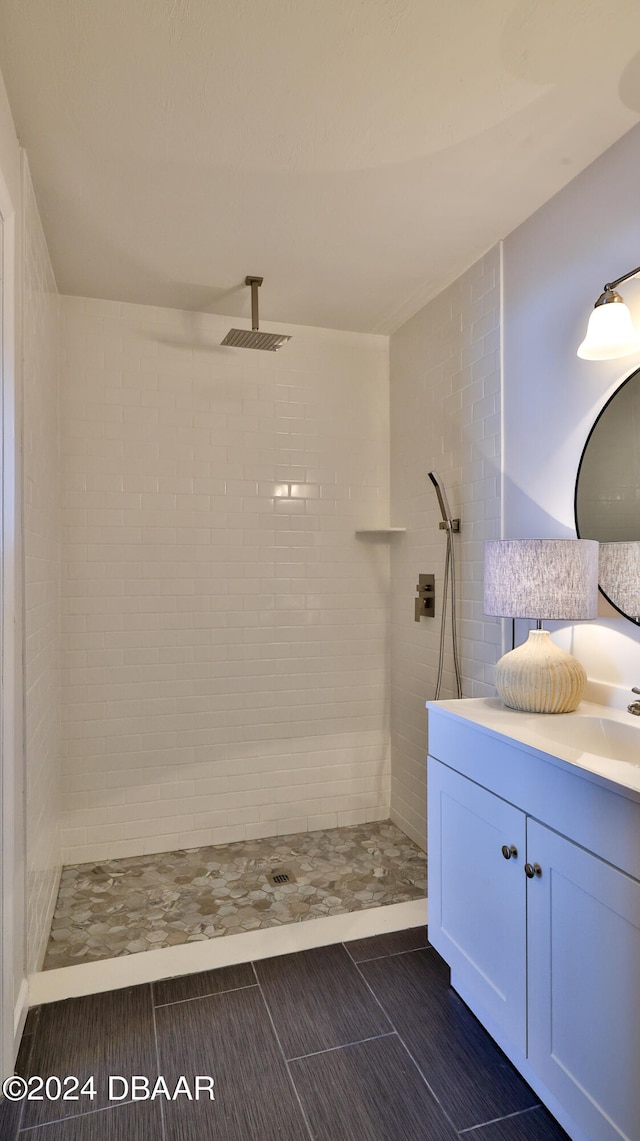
607 500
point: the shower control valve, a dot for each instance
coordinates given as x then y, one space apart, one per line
425 603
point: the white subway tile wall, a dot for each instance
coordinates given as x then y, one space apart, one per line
225 634
445 416
41 491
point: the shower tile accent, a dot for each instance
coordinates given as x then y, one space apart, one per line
142 903
225 634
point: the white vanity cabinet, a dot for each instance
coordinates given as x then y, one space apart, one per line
548 961
477 902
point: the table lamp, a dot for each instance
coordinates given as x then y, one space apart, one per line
541 579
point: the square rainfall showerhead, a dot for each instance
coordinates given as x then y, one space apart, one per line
253 338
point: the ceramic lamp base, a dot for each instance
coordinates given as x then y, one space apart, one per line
539 677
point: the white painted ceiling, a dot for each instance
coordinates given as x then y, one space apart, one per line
357 153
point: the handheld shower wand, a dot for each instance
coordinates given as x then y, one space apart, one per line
442 497
450 525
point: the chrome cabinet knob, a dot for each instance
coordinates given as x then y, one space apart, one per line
509 851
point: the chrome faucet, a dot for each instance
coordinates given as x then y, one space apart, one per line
635 705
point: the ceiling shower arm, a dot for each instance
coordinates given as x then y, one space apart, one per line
255 283
254 339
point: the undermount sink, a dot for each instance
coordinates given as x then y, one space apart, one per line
595 735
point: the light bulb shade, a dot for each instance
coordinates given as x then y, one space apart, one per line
541 578
620 575
610 333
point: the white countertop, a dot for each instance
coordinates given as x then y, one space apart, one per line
529 731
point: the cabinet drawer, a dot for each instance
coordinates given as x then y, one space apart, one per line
561 795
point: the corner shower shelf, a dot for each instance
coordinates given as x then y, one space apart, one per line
384 532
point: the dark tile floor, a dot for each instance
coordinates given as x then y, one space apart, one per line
361 1041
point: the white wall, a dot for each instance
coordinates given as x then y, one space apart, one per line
31 575
555 266
445 416
41 579
225 634
12 824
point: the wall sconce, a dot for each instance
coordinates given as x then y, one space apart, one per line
541 578
610 332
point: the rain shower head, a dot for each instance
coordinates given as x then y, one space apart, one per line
253 338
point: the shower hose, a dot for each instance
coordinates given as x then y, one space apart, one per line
449 577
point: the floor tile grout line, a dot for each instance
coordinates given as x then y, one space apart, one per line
19 1122
478 1125
28 1058
389 955
404 1044
74 1117
287 1066
506 1117
209 994
423 1076
344 1046
157 1049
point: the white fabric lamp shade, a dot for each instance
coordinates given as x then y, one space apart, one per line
541 579
610 334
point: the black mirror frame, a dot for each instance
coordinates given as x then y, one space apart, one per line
632 375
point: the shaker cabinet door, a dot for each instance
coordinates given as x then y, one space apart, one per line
584 985
477 913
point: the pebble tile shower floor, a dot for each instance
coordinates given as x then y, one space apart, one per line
120 907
